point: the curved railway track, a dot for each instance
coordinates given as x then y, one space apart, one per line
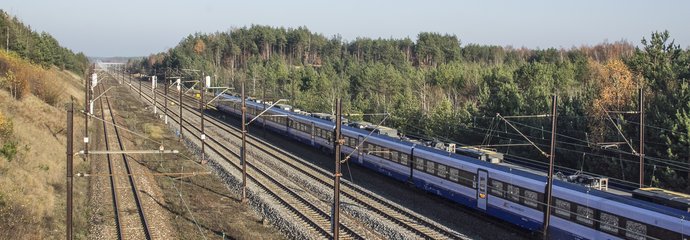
416 225
128 225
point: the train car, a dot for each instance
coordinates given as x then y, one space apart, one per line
380 153
509 192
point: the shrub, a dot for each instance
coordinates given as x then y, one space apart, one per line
46 87
9 150
6 126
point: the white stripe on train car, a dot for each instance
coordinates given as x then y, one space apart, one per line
470 193
516 208
577 229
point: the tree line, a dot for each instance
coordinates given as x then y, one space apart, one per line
40 48
435 86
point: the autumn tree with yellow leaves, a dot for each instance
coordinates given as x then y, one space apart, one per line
616 88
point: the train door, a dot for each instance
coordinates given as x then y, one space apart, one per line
360 139
311 132
483 178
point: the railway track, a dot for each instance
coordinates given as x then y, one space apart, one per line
130 218
417 226
305 210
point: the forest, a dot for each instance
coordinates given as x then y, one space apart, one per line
40 48
439 88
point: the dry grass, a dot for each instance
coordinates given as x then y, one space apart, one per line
21 78
154 131
32 183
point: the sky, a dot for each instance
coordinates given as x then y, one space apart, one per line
139 28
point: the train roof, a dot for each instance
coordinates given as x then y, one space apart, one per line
365 132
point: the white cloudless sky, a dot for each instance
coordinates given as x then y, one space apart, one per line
139 28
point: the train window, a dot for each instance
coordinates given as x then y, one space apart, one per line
561 208
496 188
514 193
377 150
352 142
608 223
453 174
531 198
442 171
585 215
395 156
431 167
467 179
404 159
419 163
385 153
635 230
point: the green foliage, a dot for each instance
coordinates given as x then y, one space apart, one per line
40 48
435 87
9 150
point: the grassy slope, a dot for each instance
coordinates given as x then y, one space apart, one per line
32 192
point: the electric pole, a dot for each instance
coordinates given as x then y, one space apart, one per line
552 156
244 147
165 105
69 153
203 134
641 138
337 143
179 91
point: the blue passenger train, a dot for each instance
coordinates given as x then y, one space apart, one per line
500 190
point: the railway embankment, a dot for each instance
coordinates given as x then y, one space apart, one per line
32 149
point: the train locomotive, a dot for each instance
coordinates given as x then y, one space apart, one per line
508 192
